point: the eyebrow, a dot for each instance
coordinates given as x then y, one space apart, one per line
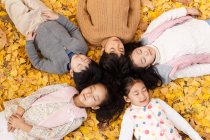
143 88
94 87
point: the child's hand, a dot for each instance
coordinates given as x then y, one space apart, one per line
193 12
16 121
20 111
49 15
186 2
10 128
31 36
148 4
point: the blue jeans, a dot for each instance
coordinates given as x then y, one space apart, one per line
208 21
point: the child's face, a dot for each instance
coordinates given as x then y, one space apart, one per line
138 95
143 56
93 96
79 62
114 45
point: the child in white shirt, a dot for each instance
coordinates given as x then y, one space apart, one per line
151 118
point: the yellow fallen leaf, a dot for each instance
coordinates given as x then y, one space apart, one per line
14 72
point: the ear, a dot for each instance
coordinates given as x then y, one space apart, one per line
126 99
71 73
95 108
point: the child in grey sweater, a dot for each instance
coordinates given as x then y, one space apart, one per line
61 45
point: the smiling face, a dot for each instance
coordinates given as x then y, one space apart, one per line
138 95
143 56
79 62
93 96
114 45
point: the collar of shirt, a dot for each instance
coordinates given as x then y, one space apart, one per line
157 54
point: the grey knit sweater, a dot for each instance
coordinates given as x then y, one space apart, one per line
51 38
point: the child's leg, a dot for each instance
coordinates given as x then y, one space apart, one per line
4 134
25 19
208 21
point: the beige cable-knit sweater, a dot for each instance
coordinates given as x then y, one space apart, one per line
101 19
35 114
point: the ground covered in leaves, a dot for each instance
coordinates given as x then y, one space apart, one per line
189 96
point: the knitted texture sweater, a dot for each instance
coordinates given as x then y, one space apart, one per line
101 19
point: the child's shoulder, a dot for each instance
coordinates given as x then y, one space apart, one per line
156 100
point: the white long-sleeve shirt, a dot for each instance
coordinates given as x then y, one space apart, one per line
155 121
190 37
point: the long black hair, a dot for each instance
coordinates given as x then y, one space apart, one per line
150 75
115 67
87 77
112 107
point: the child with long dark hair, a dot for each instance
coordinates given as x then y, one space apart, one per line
51 112
175 44
150 118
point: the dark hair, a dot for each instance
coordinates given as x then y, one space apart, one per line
112 107
149 76
129 47
115 67
127 84
87 77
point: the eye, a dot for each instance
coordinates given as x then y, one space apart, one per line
144 89
121 50
136 92
79 65
94 98
112 50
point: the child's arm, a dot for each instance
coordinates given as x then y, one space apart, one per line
179 122
171 15
77 41
83 17
193 71
72 29
55 132
147 3
41 63
77 38
134 14
126 132
43 132
26 102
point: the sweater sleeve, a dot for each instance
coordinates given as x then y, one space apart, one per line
40 63
167 16
134 14
164 71
126 132
77 38
193 71
26 102
84 19
56 132
179 122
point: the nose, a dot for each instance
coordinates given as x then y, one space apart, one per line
143 96
146 53
115 44
87 95
85 60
